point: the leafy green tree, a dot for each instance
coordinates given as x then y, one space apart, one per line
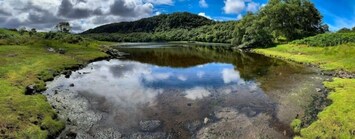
22 30
63 27
293 19
32 32
344 30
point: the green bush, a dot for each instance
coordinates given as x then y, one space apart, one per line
327 39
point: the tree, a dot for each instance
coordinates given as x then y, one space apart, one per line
22 30
293 19
63 27
32 32
344 30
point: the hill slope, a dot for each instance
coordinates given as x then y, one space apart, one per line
164 22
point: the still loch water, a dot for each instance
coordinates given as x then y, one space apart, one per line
164 91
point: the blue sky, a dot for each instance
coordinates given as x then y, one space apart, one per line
337 13
86 14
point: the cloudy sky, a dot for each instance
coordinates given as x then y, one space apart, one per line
86 14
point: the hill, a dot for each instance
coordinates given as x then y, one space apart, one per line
221 32
164 22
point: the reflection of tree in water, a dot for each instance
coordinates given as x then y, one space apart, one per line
250 65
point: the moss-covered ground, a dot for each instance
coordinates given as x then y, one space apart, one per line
31 116
338 119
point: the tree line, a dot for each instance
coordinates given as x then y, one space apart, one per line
279 21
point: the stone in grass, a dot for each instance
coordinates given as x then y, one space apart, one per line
62 51
149 125
34 89
30 90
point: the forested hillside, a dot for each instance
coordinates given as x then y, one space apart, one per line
279 21
221 32
164 22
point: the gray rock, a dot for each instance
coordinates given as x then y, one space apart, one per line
149 125
193 126
156 135
62 51
30 90
108 133
51 50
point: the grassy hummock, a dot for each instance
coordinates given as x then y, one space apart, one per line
23 64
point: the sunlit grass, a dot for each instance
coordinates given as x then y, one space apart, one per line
340 57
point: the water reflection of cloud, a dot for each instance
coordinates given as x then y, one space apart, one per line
197 93
128 83
182 77
122 83
230 75
200 74
157 76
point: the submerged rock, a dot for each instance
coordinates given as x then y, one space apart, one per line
150 125
156 135
108 133
193 126
206 120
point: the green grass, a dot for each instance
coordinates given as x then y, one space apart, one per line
31 116
341 57
337 120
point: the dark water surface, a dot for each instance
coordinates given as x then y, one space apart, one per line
183 92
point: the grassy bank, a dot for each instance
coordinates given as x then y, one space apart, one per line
341 57
336 120
24 64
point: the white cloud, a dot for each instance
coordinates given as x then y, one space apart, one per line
82 14
158 13
253 7
239 6
239 17
204 15
161 2
203 3
234 6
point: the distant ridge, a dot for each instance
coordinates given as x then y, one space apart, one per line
163 22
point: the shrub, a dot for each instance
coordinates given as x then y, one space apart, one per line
327 39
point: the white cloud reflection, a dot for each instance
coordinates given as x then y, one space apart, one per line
129 84
197 93
230 75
